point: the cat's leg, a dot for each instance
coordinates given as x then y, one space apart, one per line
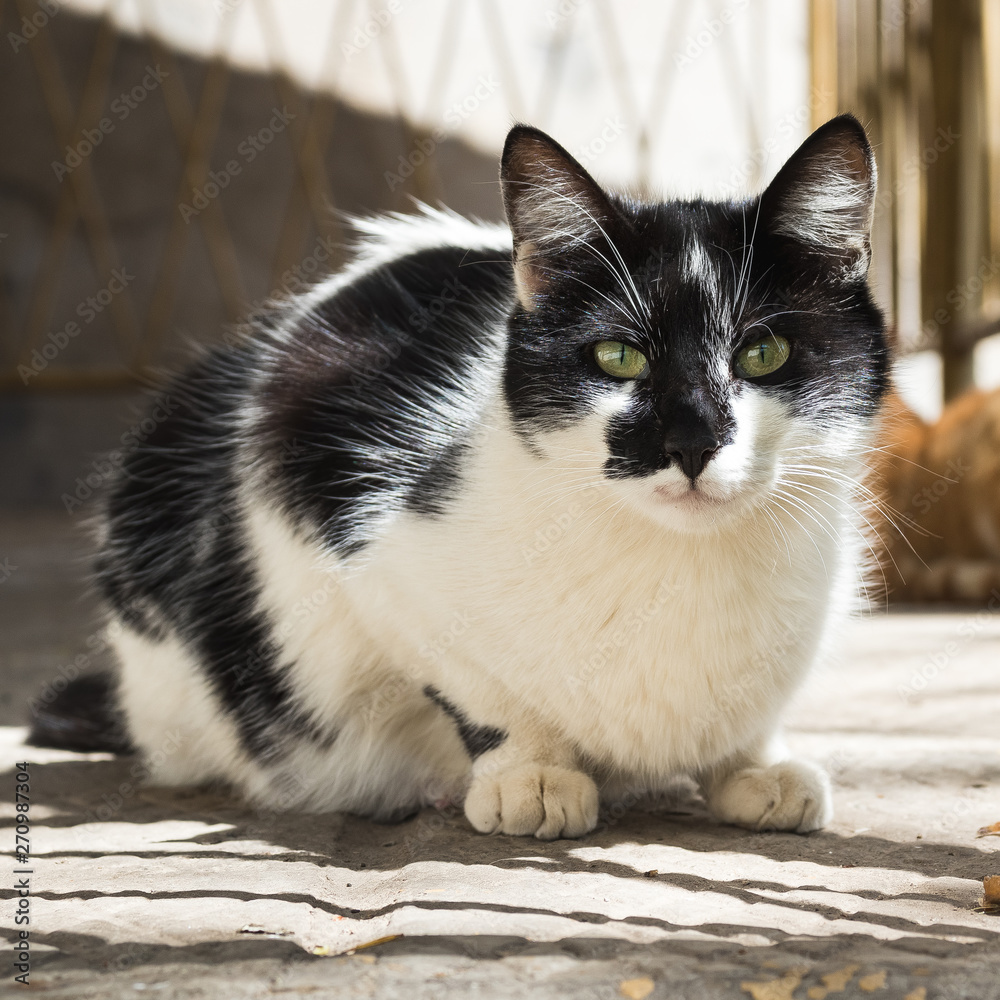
766 790
172 715
531 784
391 751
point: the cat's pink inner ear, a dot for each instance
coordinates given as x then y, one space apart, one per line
824 196
527 279
552 205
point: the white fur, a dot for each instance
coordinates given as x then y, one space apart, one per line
698 268
659 633
387 237
832 208
174 717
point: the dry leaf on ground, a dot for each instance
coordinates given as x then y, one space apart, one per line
990 902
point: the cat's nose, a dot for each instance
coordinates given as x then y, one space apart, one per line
692 455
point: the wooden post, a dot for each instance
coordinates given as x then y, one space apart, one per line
823 61
991 67
950 146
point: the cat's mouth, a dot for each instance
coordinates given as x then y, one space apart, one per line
694 496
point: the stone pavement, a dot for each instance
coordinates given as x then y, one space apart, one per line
145 892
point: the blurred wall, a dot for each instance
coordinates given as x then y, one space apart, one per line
147 200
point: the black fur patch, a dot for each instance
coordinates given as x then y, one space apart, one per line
372 394
177 552
476 739
82 717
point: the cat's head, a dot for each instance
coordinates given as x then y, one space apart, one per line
691 353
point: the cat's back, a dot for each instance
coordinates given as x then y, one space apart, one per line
400 321
350 398
369 393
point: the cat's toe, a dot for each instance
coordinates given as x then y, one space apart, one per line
792 795
548 802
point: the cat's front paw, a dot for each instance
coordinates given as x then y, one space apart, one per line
546 801
792 795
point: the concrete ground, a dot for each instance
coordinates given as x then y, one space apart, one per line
145 892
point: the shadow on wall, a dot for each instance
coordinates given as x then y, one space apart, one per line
148 199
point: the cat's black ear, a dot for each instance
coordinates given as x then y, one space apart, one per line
824 196
553 206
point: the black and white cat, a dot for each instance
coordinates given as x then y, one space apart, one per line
516 517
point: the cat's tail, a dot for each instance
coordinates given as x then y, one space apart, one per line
83 717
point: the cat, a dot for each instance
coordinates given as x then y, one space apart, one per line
940 487
521 516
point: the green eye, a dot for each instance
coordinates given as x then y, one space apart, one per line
764 357
620 360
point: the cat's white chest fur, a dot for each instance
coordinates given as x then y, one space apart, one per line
652 651
589 634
